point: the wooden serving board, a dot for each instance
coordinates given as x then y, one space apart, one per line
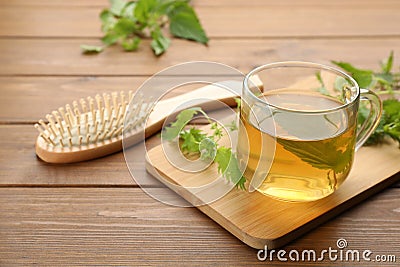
259 220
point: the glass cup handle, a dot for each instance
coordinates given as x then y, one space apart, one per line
374 116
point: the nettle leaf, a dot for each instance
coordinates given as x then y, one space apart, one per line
363 77
89 49
131 44
208 149
387 64
384 82
168 6
222 158
393 130
110 38
107 20
322 89
126 21
117 6
218 131
184 23
384 78
124 27
105 15
392 108
143 9
363 113
160 43
378 135
182 119
228 165
389 124
121 30
195 140
232 126
322 155
129 10
191 139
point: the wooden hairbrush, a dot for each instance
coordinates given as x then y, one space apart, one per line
93 128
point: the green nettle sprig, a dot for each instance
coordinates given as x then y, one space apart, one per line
127 23
384 82
196 141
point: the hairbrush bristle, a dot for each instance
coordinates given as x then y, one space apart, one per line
90 121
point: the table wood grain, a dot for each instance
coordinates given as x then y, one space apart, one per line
93 213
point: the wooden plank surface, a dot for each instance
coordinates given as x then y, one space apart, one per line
218 21
44 94
89 226
196 3
17 143
63 56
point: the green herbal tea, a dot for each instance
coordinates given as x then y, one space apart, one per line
313 154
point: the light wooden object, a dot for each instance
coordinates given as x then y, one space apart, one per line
260 221
209 97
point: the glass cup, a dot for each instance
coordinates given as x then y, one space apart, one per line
298 133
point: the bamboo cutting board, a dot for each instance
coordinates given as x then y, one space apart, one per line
258 220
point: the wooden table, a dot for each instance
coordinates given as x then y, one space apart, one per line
92 213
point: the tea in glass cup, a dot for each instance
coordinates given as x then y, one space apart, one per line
307 115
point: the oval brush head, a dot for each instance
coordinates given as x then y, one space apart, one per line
90 129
